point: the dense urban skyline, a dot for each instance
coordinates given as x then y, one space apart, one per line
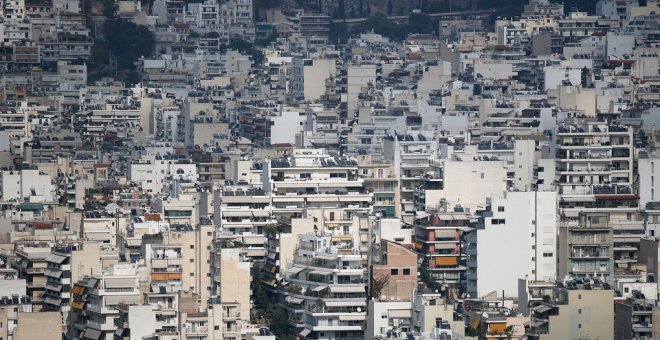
329 169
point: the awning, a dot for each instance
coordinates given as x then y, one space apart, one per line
451 233
78 290
446 261
320 272
293 300
305 332
475 324
237 213
349 303
92 334
272 255
116 282
319 288
55 258
77 304
352 317
91 283
52 272
400 313
347 289
536 323
294 270
260 213
326 256
270 282
541 309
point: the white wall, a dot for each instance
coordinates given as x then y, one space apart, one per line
20 184
553 76
649 175
470 183
285 127
515 247
357 77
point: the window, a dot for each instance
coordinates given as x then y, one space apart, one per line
579 325
579 310
192 260
406 271
500 209
547 254
579 296
217 328
192 275
626 289
394 271
192 246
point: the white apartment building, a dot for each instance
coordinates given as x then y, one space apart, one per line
21 184
154 173
325 297
517 235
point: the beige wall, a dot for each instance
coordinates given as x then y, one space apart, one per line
398 286
235 279
85 261
43 326
589 314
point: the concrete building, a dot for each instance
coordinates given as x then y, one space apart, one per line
526 219
232 279
398 266
325 297
21 184
308 77
31 265
579 309
95 298
66 265
389 319
595 174
440 244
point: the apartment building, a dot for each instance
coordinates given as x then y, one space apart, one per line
526 219
67 264
180 258
595 174
413 157
31 265
315 180
442 248
95 299
578 309
325 296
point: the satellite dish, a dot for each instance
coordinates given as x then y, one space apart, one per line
359 309
484 315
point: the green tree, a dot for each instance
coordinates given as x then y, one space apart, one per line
419 23
127 42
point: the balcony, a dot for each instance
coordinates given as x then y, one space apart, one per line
197 330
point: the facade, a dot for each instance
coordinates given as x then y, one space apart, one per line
528 220
325 297
576 312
